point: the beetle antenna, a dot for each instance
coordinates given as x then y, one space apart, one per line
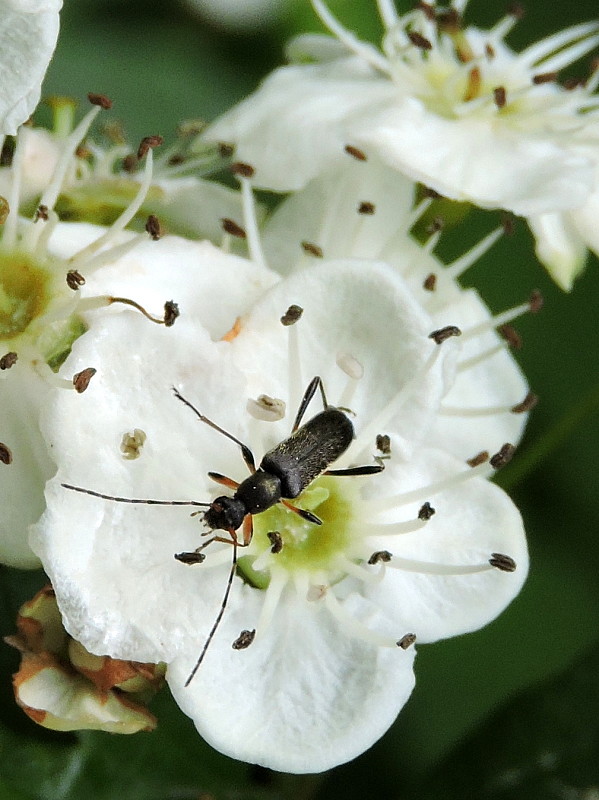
219 615
134 500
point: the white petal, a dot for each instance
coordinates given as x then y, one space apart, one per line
40 154
304 697
560 246
294 126
22 486
28 33
476 159
473 520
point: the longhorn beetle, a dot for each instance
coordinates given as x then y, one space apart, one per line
283 474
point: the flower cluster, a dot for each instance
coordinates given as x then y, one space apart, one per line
327 369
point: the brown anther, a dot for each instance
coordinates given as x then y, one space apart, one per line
474 84
478 459
489 51
148 143
418 40
83 152
573 83
81 379
276 541
426 511
355 152
436 224
430 282
406 641
508 223
175 160
153 227
511 336
445 333
427 9
291 316
242 169
74 279
366 207
450 21
500 96
312 249
190 558
5 454
231 227
225 150
529 402
171 312
244 640
383 443
502 562
516 10
9 360
130 163
41 212
544 77
381 555
536 302
99 100
503 457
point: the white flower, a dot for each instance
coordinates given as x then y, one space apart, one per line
454 108
51 276
28 33
325 676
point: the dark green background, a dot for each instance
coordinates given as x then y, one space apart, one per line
508 712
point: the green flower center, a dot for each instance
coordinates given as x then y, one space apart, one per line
305 546
25 292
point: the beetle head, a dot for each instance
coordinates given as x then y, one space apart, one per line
225 513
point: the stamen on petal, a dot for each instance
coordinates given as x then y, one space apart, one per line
430 282
312 249
353 626
132 444
276 541
250 219
473 361
232 228
529 402
81 379
394 528
420 41
242 169
406 641
380 556
383 443
474 85
244 640
472 256
354 371
265 408
355 152
502 562
366 207
503 457
511 336
99 100
500 96
479 458
544 77
426 511
278 581
288 320
153 227
436 568
9 360
171 309
534 305
41 212
443 334
74 279
5 454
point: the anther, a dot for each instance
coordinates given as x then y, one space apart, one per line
383 444
99 100
503 457
81 379
379 556
430 282
225 150
544 77
426 511
190 558
366 207
418 40
153 227
529 402
478 459
442 334
9 360
74 279
148 143
516 10
350 365
536 302
449 20
171 312
130 163
489 51
242 169
511 336
500 96
292 315
474 84
276 541
573 83
265 408
502 562
5 454
232 228
41 212
244 640
406 641
132 444
355 152
312 249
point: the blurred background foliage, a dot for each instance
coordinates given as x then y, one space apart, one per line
508 712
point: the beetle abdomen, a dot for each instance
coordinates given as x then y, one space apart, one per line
308 452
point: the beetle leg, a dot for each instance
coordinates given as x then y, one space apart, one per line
371 469
315 383
228 482
307 515
248 530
